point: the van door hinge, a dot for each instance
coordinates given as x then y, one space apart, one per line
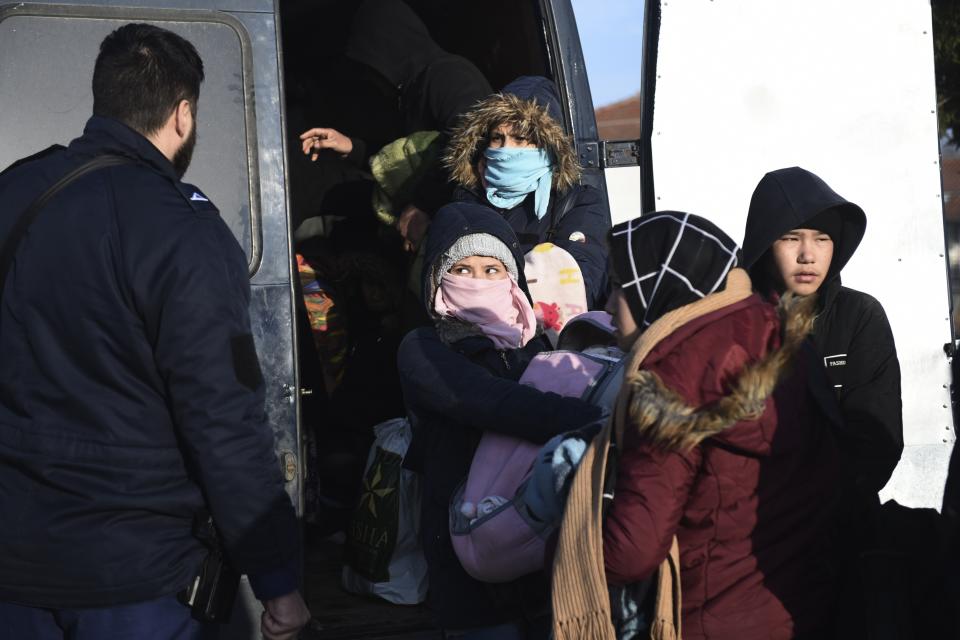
589 155
621 153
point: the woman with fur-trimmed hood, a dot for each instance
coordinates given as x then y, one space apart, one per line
510 152
726 455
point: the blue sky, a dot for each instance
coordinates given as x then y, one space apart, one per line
611 33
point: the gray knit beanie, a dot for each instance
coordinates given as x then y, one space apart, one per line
475 244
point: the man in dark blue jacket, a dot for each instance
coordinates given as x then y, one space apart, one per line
131 397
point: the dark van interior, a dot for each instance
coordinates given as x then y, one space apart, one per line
354 298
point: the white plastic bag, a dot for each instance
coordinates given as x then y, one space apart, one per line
383 553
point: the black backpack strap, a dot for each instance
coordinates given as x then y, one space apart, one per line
558 212
23 223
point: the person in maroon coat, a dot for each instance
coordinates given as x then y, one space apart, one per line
726 442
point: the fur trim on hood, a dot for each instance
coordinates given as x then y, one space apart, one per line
528 119
662 416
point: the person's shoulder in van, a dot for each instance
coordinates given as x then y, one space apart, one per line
799 236
511 152
437 98
447 88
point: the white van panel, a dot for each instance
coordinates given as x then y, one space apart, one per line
623 193
845 90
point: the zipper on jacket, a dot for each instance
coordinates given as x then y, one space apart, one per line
503 356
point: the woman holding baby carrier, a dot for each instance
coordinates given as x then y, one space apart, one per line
459 379
724 483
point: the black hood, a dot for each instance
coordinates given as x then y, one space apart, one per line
388 36
789 199
458 219
539 89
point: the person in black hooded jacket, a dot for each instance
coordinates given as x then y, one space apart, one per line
459 378
799 235
432 87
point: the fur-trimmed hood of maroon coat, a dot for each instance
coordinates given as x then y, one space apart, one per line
730 451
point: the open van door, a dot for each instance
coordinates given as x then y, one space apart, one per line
570 75
733 90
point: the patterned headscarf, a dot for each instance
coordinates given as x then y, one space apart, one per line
667 259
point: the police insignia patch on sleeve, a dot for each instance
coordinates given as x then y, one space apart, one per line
246 364
197 199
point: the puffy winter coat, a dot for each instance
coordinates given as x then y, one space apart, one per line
130 393
743 479
454 392
578 218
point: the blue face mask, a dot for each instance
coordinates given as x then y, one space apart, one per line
512 173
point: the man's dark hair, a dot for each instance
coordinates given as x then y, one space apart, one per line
141 75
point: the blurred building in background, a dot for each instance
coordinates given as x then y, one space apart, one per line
620 120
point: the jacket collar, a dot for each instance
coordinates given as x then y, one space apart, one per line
828 293
106 135
526 205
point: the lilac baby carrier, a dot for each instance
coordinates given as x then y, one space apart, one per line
500 540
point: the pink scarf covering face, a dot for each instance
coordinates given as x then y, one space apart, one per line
498 307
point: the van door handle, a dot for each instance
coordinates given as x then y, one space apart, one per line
288 463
